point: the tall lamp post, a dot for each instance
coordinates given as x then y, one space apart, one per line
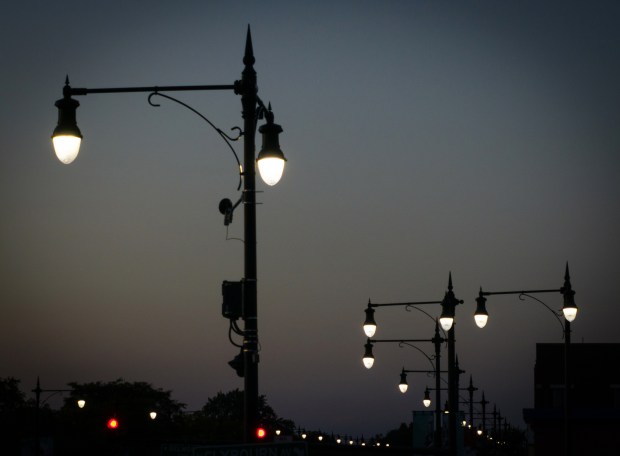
569 311
270 161
446 319
369 361
37 422
403 386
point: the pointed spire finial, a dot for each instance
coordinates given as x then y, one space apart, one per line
566 274
248 58
450 281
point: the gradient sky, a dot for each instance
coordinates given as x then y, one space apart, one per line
478 137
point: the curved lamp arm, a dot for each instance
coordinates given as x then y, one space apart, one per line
430 359
555 314
223 135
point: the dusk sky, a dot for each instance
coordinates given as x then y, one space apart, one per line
480 138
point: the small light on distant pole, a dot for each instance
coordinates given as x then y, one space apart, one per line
427 398
278 431
368 358
67 136
81 403
446 319
370 326
570 308
481 316
403 386
153 415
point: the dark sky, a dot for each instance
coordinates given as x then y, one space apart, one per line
480 138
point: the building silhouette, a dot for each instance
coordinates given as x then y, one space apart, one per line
593 419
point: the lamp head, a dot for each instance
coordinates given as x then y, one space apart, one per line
448 305
368 358
403 386
370 326
569 308
270 159
427 398
67 136
446 319
481 316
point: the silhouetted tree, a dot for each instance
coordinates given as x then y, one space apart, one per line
15 419
223 415
403 436
129 403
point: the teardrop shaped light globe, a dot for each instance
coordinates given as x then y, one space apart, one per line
271 169
426 402
66 147
403 387
370 330
446 323
570 313
368 362
481 320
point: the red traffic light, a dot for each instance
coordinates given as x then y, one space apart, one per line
112 423
261 433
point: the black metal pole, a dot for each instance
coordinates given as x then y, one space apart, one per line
471 390
37 429
484 403
566 388
452 392
249 90
437 341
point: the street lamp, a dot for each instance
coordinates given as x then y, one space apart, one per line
67 138
569 311
369 359
448 306
370 325
37 425
427 398
403 386
569 308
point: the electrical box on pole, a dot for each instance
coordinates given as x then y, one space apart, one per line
232 303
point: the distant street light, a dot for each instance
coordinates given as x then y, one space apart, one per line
37 425
446 319
569 311
270 161
427 398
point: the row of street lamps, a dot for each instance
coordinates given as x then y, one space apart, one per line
446 320
270 161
